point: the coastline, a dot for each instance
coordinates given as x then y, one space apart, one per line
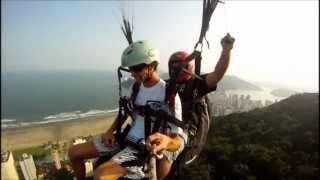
17 138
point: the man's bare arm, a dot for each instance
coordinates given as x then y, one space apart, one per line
222 65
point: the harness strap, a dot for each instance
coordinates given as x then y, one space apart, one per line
158 123
208 8
198 64
125 110
127 29
139 110
135 91
162 114
147 121
121 118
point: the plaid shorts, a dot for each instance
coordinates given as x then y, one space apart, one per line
127 156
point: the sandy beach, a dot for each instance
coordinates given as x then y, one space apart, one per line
12 139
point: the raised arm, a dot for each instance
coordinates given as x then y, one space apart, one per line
222 65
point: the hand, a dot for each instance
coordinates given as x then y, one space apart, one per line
157 143
108 138
227 42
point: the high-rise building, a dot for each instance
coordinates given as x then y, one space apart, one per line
8 170
56 158
28 167
268 103
227 111
89 168
78 141
234 101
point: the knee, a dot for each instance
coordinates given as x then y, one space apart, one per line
98 173
109 171
163 175
163 169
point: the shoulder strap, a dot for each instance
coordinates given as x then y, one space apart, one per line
171 91
198 64
135 91
124 112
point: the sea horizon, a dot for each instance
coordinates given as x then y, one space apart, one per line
56 95
42 97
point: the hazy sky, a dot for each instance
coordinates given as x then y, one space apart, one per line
276 41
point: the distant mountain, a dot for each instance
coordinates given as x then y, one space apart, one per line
276 142
282 92
229 83
302 107
233 82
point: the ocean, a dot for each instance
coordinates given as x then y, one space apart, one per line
30 98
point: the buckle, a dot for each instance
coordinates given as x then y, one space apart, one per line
192 130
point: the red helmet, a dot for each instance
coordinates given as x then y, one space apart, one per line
174 61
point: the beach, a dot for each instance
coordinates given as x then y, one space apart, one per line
18 138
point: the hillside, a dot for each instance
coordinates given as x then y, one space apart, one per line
276 142
282 92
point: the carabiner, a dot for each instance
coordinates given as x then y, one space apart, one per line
197 46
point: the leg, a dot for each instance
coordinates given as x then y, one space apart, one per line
121 164
163 168
164 165
77 154
109 170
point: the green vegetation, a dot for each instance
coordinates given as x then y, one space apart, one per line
62 174
37 152
277 142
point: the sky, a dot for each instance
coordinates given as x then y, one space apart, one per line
276 41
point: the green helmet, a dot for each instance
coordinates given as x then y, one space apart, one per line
140 52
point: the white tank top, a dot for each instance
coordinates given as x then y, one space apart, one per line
154 93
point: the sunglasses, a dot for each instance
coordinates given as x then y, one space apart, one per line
137 68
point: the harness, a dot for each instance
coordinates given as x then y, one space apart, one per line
160 116
156 115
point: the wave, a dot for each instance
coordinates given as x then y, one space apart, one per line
78 114
60 117
8 120
6 126
63 115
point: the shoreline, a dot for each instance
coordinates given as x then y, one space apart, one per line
24 137
112 114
